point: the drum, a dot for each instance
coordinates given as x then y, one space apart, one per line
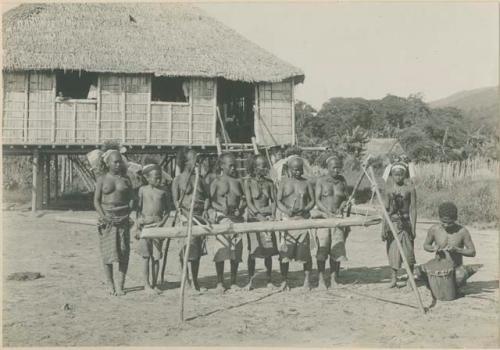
441 279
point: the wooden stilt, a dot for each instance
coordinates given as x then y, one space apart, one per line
70 174
188 241
371 177
63 174
56 176
47 178
36 189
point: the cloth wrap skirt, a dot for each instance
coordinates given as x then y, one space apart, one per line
229 246
406 238
261 244
197 245
294 244
149 247
114 235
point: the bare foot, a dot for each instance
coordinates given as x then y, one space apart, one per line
149 290
111 291
306 287
119 292
334 280
322 285
158 290
393 284
248 287
284 286
220 288
270 285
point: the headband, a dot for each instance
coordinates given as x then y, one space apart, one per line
106 154
399 166
150 167
332 158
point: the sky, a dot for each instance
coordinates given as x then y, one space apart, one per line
360 49
371 49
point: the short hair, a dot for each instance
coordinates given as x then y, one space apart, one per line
448 210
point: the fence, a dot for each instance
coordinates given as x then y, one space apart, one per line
477 168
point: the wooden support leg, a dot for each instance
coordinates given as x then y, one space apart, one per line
70 174
63 174
56 176
36 189
47 178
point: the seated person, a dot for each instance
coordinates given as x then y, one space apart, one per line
451 241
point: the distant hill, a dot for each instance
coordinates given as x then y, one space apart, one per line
480 106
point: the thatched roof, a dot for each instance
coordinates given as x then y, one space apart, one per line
383 146
168 39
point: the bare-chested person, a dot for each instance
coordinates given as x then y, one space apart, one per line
295 200
227 198
331 193
260 195
113 199
182 194
401 205
152 211
451 241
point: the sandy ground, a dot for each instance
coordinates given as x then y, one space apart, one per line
361 312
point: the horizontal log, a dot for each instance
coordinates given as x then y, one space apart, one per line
262 226
73 220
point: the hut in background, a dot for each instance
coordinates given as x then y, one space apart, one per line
151 76
384 149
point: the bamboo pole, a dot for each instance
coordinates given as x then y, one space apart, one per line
188 241
264 226
371 178
70 174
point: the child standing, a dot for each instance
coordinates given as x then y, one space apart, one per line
152 211
401 205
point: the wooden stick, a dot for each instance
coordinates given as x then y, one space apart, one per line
371 178
263 226
188 242
73 220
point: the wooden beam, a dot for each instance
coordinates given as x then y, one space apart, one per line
54 105
36 188
263 226
214 116
123 109
56 176
26 105
256 116
98 111
47 178
190 121
148 122
63 173
74 122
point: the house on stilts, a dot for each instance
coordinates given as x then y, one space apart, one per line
152 76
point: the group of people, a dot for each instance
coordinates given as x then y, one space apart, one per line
223 197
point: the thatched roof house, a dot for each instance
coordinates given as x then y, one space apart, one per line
145 74
383 147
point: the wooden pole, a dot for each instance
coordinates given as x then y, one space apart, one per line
188 241
371 178
63 174
70 174
36 189
56 176
47 178
261 226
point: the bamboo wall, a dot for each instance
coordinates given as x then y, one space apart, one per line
274 122
123 111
